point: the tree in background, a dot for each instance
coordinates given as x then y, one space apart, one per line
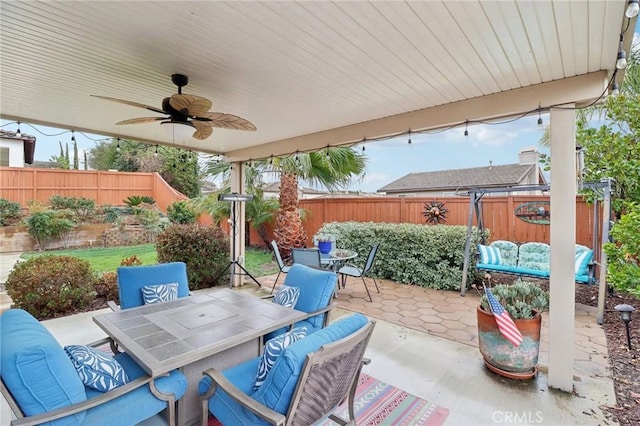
76 161
332 168
179 168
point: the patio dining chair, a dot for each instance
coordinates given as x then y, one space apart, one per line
307 256
354 271
308 380
283 268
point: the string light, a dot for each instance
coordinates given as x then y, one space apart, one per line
363 142
328 157
409 141
540 123
466 127
621 63
615 89
271 159
18 132
73 137
632 9
155 154
118 146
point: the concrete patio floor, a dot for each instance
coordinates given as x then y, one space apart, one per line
425 342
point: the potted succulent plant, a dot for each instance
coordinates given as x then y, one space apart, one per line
506 351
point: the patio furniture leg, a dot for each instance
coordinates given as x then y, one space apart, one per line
366 288
275 282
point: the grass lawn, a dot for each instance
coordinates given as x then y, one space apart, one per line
258 261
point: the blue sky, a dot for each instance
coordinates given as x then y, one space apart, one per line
386 160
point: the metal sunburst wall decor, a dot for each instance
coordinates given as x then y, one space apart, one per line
435 212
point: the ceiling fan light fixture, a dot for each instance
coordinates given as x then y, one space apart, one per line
178 130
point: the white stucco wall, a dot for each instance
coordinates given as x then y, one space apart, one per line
16 151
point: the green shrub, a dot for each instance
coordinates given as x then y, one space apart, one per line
205 250
623 254
106 285
181 212
48 286
83 209
47 225
10 212
137 200
429 256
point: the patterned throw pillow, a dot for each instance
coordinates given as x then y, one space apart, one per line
95 368
272 349
159 293
287 296
489 255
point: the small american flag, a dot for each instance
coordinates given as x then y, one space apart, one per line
505 323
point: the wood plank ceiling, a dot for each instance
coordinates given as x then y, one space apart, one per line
307 74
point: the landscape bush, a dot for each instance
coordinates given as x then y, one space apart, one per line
427 255
82 209
624 252
181 212
106 284
48 286
10 212
205 250
46 225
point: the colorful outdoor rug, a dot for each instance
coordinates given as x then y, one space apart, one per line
378 403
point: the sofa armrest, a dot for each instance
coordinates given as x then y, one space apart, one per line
260 410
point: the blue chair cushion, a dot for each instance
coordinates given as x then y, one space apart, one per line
137 405
489 255
95 368
287 296
36 369
272 350
131 279
316 289
159 293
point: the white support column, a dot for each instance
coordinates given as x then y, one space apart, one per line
563 240
237 185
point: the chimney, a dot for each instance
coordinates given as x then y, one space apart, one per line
528 155
490 164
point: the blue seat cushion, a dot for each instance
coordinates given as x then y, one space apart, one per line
139 404
36 369
222 406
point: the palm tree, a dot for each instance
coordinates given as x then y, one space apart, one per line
333 168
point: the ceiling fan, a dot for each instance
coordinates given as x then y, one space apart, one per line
187 111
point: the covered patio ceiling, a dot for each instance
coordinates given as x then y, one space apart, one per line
307 74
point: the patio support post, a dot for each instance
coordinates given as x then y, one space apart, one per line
563 240
606 218
237 185
467 245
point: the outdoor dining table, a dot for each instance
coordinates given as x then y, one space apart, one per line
335 258
217 329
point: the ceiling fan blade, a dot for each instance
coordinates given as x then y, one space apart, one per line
135 104
202 133
226 121
141 120
194 105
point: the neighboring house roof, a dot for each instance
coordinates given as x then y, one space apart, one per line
486 176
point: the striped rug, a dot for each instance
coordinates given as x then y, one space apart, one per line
378 403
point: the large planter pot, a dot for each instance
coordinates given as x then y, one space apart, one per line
500 355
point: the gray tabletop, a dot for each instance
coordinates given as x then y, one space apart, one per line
165 336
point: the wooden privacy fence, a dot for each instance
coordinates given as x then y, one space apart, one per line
498 215
105 188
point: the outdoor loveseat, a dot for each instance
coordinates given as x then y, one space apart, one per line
531 259
41 383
